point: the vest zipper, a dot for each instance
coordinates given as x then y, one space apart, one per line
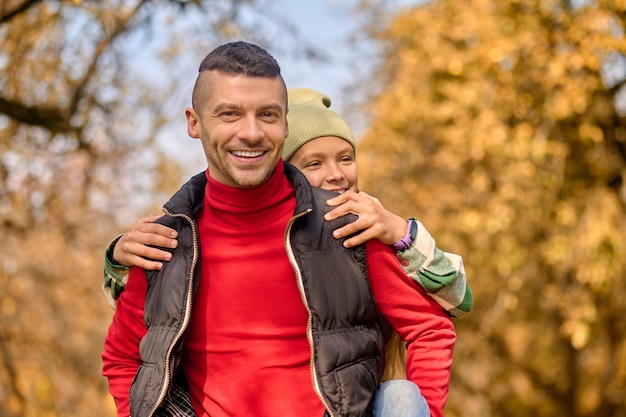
187 317
309 333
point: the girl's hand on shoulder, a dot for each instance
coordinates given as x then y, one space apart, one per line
135 247
374 221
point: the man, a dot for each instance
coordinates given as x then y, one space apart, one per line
243 327
322 146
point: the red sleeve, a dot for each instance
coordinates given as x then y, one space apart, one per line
121 358
418 320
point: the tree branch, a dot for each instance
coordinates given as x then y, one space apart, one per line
52 118
9 10
102 46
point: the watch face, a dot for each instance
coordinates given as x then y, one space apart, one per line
413 230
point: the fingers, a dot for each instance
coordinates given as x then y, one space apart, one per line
357 239
149 227
373 219
368 218
366 230
135 248
146 264
369 213
355 203
132 249
130 253
361 198
151 218
144 233
152 237
342 198
340 211
362 231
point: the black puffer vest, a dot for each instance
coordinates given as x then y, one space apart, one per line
347 346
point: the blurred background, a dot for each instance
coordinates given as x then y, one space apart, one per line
500 124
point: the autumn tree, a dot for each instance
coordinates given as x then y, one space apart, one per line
501 124
85 88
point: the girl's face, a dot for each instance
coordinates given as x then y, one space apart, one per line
327 162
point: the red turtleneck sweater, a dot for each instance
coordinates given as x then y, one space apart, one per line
246 351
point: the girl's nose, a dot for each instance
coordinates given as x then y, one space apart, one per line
335 174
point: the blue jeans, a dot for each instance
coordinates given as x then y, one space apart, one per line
399 398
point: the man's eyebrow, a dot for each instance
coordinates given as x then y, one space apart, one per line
232 106
226 106
272 106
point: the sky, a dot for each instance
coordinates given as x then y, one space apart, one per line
326 25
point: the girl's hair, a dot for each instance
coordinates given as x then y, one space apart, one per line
395 353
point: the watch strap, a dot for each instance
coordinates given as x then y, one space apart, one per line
409 237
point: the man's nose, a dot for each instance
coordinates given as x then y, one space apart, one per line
251 129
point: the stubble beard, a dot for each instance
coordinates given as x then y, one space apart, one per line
256 177
237 177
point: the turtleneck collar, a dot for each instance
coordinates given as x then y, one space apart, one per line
236 206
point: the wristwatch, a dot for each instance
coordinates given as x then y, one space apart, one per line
406 242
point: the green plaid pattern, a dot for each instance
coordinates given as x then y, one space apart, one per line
115 275
441 274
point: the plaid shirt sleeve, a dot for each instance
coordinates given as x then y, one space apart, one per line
115 275
441 274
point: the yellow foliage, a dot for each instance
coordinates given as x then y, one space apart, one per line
520 169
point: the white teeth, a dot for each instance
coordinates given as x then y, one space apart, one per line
247 154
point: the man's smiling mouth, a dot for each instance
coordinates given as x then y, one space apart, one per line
247 154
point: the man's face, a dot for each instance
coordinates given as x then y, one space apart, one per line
242 125
328 162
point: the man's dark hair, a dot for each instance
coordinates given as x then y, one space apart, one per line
241 58
236 58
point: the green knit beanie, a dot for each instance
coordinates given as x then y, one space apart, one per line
310 118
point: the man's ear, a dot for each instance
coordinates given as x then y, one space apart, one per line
193 123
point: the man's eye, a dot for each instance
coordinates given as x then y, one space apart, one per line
313 164
228 115
269 115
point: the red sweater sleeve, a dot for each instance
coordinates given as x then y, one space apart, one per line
121 358
418 320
